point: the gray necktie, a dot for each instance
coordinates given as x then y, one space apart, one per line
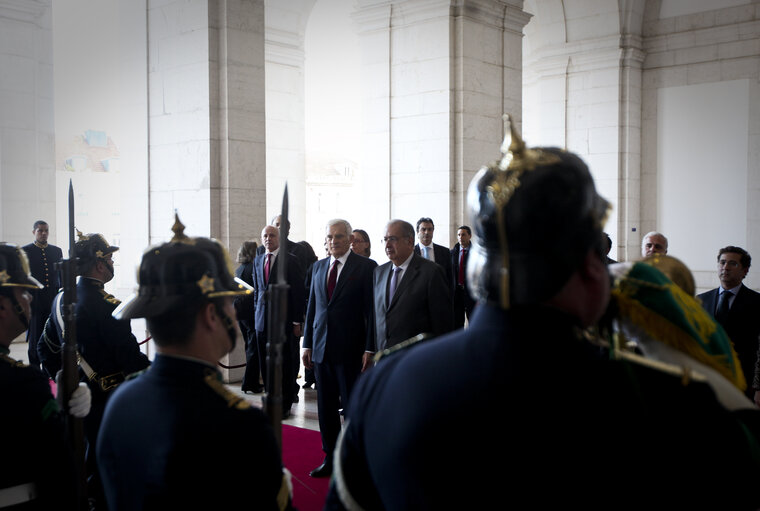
394 282
722 311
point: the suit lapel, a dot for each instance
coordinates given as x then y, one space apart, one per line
406 280
382 288
345 274
320 277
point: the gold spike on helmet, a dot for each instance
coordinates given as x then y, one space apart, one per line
535 214
183 268
14 268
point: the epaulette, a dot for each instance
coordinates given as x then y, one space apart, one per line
109 297
134 375
686 374
233 400
12 361
403 345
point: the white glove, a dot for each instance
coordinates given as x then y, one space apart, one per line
79 404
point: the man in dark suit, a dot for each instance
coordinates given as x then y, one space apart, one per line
42 259
264 273
464 303
737 308
432 251
412 295
305 256
339 331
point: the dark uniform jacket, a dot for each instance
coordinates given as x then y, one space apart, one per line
42 265
578 430
105 343
32 431
174 437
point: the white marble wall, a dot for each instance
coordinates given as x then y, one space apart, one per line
703 52
285 159
27 171
438 79
207 119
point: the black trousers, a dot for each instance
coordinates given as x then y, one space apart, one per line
252 376
463 306
288 376
334 385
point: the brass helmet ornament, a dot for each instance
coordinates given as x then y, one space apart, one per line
181 269
91 247
14 268
535 214
14 272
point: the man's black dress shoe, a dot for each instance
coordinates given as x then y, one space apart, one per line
324 470
307 385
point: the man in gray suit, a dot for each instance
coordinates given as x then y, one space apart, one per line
339 331
412 294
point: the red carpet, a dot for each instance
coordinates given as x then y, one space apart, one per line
301 453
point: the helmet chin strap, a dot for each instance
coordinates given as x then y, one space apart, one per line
228 324
19 311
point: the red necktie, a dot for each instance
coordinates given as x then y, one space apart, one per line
266 269
460 275
332 279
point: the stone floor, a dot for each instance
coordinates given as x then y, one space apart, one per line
303 413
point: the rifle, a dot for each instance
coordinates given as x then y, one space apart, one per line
277 317
69 374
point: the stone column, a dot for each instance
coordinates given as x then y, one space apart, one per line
439 76
285 132
487 83
207 139
27 146
373 19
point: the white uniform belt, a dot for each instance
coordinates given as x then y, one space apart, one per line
17 494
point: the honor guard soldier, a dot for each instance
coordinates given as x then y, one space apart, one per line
576 429
42 260
38 468
108 352
174 437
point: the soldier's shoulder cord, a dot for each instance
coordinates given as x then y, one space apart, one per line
109 297
233 400
402 346
132 376
12 361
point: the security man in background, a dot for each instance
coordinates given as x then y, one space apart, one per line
582 430
108 352
38 470
42 260
174 437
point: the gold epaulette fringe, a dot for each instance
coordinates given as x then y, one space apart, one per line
13 361
233 400
109 297
401 346
660 328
